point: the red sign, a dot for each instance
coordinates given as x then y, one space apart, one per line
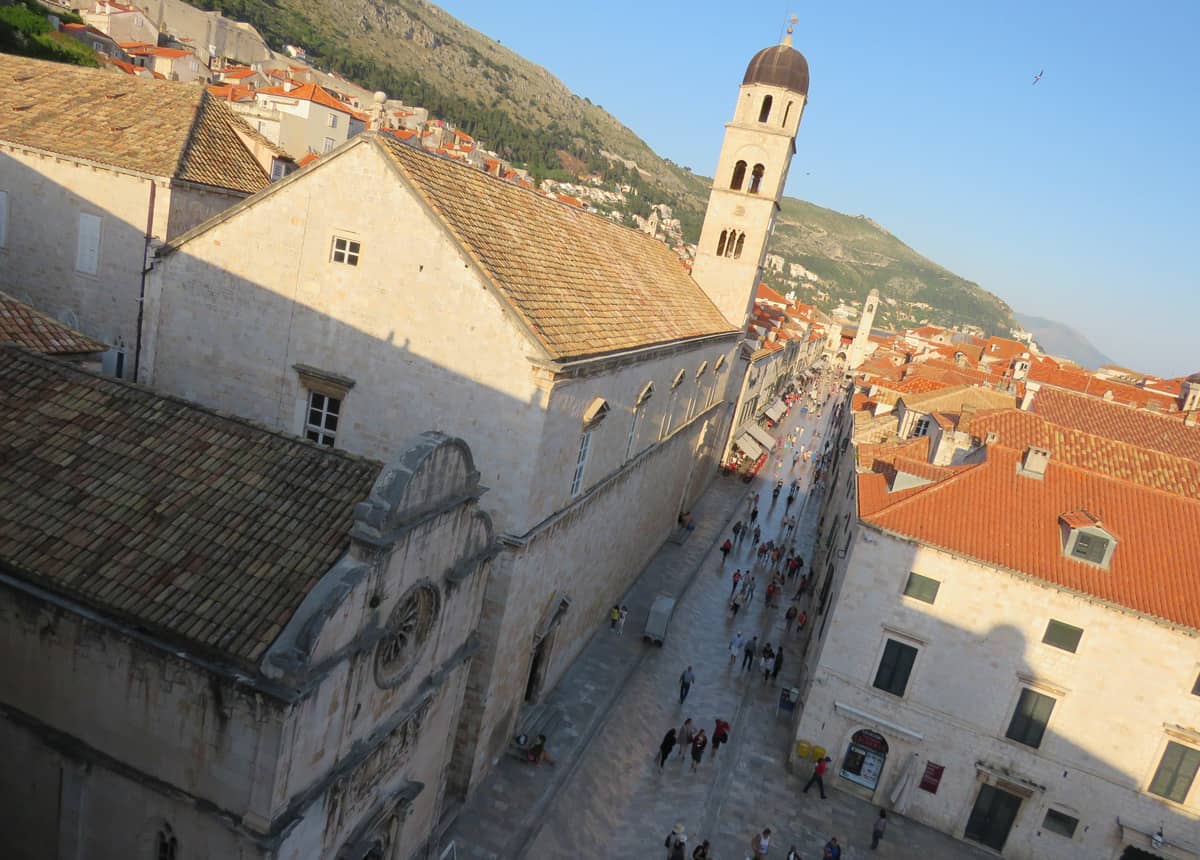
932 778
870 740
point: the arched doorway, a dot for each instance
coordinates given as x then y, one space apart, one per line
864 759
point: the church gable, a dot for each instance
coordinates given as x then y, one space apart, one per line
583 285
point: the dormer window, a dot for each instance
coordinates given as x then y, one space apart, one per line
1085 539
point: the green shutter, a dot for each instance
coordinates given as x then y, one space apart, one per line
1176 771
921 588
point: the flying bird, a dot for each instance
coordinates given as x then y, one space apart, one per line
1038 76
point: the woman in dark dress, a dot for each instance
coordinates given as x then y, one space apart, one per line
664 749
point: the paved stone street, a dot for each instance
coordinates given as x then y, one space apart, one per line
606 797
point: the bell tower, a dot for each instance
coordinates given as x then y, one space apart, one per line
751 172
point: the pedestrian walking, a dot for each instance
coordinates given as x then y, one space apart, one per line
737 577
789 618
720 735
736 603
790 499
687 733
760 843
665 748
777 665
735 648
614 616
748 653
621 620
753 584
754 515
818 776
793 854
877 830
699 742
801 621
676 843
757 535
686 679
833 851
738 528
766 662
702 851
725 548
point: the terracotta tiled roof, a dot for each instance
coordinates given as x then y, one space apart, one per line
308 158
318 94
202 529
1003 349
22 325
1048 372
164 129
918 385
1138 427
766 294
1130 462
953 399
991 513
582 284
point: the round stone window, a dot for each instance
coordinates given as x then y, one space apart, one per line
408 628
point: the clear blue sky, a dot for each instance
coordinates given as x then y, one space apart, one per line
1075 199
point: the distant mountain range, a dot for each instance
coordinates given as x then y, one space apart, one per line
415 51
1056 338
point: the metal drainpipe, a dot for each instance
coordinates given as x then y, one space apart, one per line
137 349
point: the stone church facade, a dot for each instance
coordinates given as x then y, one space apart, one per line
221 641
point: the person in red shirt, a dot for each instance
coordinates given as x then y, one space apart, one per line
720 736
818 773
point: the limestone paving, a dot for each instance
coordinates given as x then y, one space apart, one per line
606 796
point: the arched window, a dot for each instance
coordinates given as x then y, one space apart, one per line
732 241
739 175
721 243
764 113
737 252
756 177
166 846
787 111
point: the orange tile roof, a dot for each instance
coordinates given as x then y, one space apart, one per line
22 325
307 159
231 92
1003 349
991 513
767 294
1139 427
1047 371
316 94
1017 429
165 129
583 285
918 385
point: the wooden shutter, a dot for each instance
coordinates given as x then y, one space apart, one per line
87 253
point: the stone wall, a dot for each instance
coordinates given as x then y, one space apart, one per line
979 644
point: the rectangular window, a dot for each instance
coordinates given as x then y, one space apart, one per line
278 169
1196 687
580 463
922 428
3 219
87 249
1176 772
637 413
895 667
992 817
321 421
329 143
1060 823
921 588
331 120
1062 636
1028 723
1089 548
345 251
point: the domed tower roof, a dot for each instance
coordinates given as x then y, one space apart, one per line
779 66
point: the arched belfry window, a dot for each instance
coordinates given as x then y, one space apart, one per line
737 251
756 177
787 112
166 846
764 113
739 176
721 243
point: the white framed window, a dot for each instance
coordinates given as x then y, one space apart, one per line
328 144
87 248
585 443
278 169
331 120
3 219
321 418
345 251
922 428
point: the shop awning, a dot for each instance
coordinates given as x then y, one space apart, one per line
761 436
748 446
775 411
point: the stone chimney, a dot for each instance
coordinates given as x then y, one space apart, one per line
966 415
1031 390
1033 463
